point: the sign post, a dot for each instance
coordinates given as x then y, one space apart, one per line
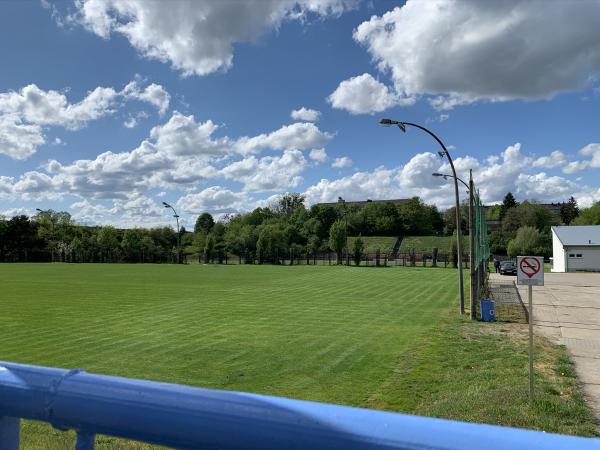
530 272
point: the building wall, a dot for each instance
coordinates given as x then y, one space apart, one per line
558 255
583 258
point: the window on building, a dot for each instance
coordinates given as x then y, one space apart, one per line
579 255
571 255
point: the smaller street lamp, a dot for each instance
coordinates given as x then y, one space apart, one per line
166 205
469 187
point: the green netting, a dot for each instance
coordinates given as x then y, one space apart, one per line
482 245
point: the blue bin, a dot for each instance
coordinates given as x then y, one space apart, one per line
487 310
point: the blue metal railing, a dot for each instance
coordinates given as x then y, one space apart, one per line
196 418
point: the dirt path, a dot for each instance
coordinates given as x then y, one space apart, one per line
567 311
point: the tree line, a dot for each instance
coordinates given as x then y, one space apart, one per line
285 228
264 234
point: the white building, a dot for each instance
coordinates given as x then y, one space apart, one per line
576 248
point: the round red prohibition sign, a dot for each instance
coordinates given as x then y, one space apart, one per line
530 266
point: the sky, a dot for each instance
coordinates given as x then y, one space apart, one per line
110 107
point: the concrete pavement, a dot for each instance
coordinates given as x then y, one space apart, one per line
567 311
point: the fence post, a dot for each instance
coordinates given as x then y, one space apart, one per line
9 433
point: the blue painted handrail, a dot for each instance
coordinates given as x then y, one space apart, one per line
188 417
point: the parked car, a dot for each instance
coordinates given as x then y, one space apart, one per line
508 268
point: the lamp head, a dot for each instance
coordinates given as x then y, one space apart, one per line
166 204
390 122
437 174
38 209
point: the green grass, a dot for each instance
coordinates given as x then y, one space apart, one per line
384 243
426 243
357 336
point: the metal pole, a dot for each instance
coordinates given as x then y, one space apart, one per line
530 298
472 250
178 240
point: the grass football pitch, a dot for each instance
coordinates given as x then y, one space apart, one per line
372 337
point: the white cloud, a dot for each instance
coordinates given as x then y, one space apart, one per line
494 177
551 161
363 94
300 135
592 150
575 166
154 94
340 163
319 155
40 107
466 51
271 173
196 36
179 154
215 199
18 140
24 112
130 122
304 114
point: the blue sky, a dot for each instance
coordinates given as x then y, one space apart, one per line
107 108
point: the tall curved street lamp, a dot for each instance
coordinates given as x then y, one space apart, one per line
178 236
444 152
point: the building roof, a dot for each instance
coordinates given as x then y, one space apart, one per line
578 235
395 201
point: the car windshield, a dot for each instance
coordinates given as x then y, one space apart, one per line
507 263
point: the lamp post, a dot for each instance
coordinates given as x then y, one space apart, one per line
472 273
178 237
444 152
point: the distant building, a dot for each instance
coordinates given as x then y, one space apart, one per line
341 201
575 247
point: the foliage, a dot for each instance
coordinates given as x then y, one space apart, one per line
528 241
529 214
271 244
358 248
569 211
508 203
209 247
337 238
204 223
288 203
499 242
589 216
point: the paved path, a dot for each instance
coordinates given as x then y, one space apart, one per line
567 311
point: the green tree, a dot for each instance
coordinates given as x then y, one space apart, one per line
358 250
108 242
569 211
528 241
271 244
204 223
132 244
529 214
508 203
289 203
209 248
589 216
337 238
